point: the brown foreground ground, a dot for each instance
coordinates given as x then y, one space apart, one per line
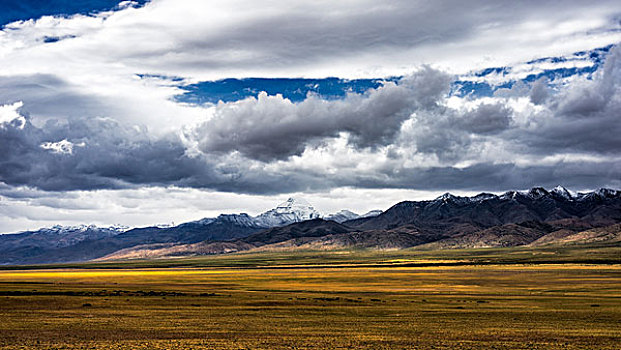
317 306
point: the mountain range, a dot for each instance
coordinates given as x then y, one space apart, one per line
81 243
515 218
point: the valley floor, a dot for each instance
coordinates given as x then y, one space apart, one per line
502 305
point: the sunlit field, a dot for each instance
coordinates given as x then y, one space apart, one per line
340 300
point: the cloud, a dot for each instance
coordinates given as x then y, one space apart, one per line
222 39
61 147
48 96
584 117
131 101
9 114
92 153
272 127
487 118
539 91
408 134
34 9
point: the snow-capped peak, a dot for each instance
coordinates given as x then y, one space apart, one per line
448 197
294 205
562 192
445 197
290 211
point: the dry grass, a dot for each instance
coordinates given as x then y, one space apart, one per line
570 306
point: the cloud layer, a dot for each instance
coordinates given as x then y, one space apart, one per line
409 134
88 103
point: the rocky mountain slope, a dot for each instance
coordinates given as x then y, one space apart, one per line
15 247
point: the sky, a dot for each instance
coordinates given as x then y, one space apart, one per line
152 112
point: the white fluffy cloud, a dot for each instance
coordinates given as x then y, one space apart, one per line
10 113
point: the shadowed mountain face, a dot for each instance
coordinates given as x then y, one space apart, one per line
448 214
535 217
302 231
95 247
311 228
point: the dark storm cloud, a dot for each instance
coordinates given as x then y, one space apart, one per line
501 177
487 119
108 155
449 134
272 127
105 155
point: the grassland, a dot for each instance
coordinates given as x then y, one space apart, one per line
549 298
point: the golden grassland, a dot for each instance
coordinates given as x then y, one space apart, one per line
340 300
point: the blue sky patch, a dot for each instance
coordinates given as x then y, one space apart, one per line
465 87
297 89
21 10
294 89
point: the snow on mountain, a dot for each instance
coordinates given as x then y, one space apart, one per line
58 236
371 213
537 192
601 193
297 210
562 192
448 197
342 216
607 193
242 219
204 221
445 197
290 211
509 195
483 197
64 230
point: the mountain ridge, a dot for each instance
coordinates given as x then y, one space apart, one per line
485 220
535 216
